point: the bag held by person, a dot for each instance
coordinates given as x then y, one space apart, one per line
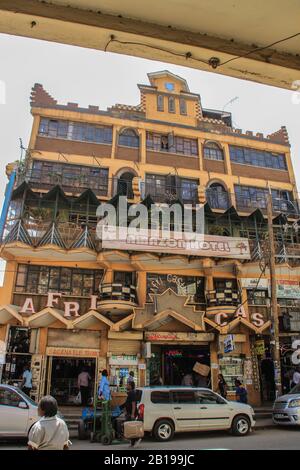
77 399
133 429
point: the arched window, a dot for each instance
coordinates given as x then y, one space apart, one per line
160 103
124 187
171 104
129 138
217 196
212 151
182 105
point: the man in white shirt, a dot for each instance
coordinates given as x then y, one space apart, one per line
296 376
50 432
27 380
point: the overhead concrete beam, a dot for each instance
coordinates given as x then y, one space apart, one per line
91 29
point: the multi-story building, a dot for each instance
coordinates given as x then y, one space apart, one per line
69 300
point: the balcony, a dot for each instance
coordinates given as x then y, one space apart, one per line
115 298
282 205
218 199
38 233
169 193
70 183
223 297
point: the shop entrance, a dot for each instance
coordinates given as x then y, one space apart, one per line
171 363
63 377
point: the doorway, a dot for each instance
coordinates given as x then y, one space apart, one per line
63 377
172 363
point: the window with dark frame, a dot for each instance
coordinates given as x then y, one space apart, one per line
256 157
251 196
171 104
182 106
75 131
172 144
68 281
71 175
212 151
160 103
129 138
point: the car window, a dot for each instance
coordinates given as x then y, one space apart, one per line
27 398
209 398
9 398
295 389
184 396
138 394
160 397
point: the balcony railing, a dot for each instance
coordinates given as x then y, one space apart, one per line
70 183
117 291
169 194
218 297
260 202
36 233
217 199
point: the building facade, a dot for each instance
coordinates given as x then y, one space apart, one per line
69 300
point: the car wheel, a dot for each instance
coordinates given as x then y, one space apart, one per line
163 430
240 426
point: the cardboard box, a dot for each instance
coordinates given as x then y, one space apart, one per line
133 429
201 369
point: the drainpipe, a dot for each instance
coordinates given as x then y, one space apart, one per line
7 199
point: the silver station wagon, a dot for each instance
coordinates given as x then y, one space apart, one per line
286 409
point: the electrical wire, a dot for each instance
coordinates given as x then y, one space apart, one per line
214 62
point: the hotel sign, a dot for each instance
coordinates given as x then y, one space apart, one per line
180 243
178 337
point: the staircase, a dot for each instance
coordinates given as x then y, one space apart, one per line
72 415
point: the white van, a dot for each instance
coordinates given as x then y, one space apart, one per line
169 410
17 412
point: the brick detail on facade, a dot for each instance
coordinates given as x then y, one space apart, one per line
40 97
267 174
73 147
172 160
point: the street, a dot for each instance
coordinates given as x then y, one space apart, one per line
269 439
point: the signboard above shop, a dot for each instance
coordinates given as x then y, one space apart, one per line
254 283
288 289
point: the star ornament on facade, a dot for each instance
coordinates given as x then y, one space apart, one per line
169 303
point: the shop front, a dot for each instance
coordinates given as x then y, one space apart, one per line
19 346
172 355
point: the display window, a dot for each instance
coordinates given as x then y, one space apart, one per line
183 285
231 368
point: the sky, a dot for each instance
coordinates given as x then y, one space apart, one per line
85 76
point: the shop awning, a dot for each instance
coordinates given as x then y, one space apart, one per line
46 317
124 324
90 318
10 312
165 317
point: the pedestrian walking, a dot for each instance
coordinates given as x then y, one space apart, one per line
222 386
84 379
27 380
104 388
50 432
131 410
130 377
